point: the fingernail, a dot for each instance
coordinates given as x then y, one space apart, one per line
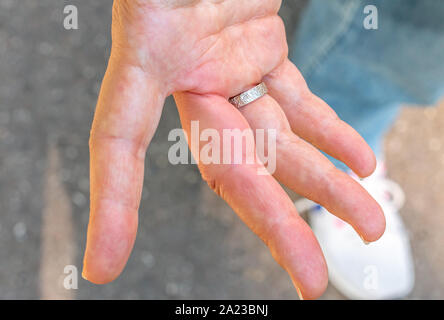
84 275
365 242
299 293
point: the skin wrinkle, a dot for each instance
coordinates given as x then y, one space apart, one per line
226 24
257 70
262 230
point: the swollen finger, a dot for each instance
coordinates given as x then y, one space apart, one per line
256 197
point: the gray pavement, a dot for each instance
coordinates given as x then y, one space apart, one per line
190 243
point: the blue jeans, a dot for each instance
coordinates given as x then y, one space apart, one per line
366 75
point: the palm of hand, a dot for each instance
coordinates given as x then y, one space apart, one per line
209 47
204 52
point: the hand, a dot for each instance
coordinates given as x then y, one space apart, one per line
205 52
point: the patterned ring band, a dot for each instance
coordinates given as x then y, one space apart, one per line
249 96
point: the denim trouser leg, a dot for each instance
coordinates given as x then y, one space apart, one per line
365 75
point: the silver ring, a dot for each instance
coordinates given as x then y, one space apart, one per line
249 96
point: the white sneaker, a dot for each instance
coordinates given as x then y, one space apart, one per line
380 270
